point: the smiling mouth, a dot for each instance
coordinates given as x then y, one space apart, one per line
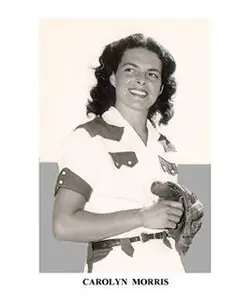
138 92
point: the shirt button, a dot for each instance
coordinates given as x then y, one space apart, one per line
130 162
63 173
60 182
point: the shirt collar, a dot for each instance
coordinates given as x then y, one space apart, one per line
114 117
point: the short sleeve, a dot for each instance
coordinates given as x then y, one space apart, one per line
78 164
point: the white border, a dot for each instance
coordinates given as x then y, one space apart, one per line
19 150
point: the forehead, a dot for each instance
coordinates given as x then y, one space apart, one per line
141 56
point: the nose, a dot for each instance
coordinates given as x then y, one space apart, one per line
140 79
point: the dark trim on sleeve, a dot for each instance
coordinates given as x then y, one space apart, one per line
71 181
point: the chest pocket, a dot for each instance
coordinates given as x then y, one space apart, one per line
169 167
128 159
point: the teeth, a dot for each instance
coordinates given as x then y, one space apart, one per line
137 92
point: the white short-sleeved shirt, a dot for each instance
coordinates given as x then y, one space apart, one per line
114 170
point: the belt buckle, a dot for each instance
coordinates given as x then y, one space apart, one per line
143 237
166 232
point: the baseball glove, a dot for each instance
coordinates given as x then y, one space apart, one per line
190 222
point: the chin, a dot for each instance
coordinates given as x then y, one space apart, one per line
141 107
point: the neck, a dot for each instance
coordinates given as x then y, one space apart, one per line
136 118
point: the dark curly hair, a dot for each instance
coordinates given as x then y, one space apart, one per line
103 94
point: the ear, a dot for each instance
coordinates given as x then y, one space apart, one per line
112 80
161 89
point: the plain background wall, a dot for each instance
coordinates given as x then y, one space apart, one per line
69 49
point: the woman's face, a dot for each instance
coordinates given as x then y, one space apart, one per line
138 79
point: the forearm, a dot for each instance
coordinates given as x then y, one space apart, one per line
84 226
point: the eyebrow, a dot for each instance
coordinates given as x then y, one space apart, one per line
134 65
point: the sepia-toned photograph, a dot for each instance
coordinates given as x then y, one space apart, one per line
125 146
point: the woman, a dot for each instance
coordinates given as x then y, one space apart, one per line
103 195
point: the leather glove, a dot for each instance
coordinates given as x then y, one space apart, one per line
190 222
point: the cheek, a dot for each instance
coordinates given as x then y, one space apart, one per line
156 88
122 87
122 82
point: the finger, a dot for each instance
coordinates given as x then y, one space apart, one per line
171 225
174 218
175 211
176 204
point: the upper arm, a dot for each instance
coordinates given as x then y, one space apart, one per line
68 202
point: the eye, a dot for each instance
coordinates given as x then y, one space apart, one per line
129 70
153 75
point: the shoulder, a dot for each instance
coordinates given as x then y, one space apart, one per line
99 127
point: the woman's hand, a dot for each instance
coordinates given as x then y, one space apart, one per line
163 214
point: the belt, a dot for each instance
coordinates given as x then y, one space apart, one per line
144 237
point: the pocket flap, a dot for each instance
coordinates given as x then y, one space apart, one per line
128 159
